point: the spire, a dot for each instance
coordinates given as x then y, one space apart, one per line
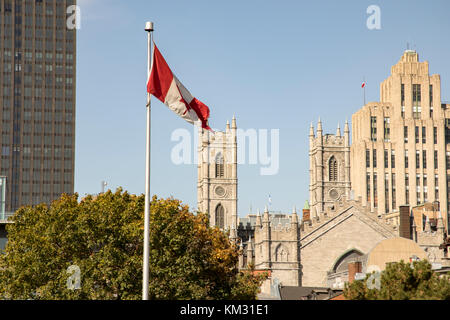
319 127
346 128
294 216
266 215
258 219
249 251
311 130
338 132
228 125
249 244
233 233
233 123
306 207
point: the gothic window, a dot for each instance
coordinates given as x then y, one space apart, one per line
220 170
333 169
220 216
281 254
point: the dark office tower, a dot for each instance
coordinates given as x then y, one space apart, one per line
37 100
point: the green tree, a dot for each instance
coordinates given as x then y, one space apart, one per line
103 236
402 281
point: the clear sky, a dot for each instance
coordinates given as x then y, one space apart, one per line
273 64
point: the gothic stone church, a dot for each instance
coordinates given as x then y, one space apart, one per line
337 225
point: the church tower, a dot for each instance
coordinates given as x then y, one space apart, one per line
217 177
329 172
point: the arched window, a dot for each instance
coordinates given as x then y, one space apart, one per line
281 254
333 169
220 170
342 263
220 216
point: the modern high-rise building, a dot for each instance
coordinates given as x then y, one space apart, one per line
37 100
400 152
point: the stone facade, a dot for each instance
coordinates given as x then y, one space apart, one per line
349 214
329 167
275 245
217 176
400 145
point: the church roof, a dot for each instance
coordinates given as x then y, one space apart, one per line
276 219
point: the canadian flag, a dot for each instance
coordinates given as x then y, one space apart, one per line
363 85
165 86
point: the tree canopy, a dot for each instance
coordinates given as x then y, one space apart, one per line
102 236
402 281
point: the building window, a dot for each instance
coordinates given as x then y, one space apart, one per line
393 159
220 170
424 135
367 158
375 192
333 169
405 134
424 159
387 129
417 98
386 192
220 216
417 134
368 187
436 187
436 162
373 128
386 159
435 135
431 100
394 195
447 160
417 159
374 155
425 180
406 159
431 96
403 94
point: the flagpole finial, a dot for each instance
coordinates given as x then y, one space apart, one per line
149 26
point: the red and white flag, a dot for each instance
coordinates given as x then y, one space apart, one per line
165 86
363 85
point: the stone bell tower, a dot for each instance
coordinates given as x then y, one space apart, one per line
329 169
217 176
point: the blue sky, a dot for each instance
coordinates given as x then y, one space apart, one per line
273 64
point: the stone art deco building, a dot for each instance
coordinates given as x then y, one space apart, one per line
37 100
381 187
400 151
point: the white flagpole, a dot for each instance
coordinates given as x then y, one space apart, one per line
145 276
